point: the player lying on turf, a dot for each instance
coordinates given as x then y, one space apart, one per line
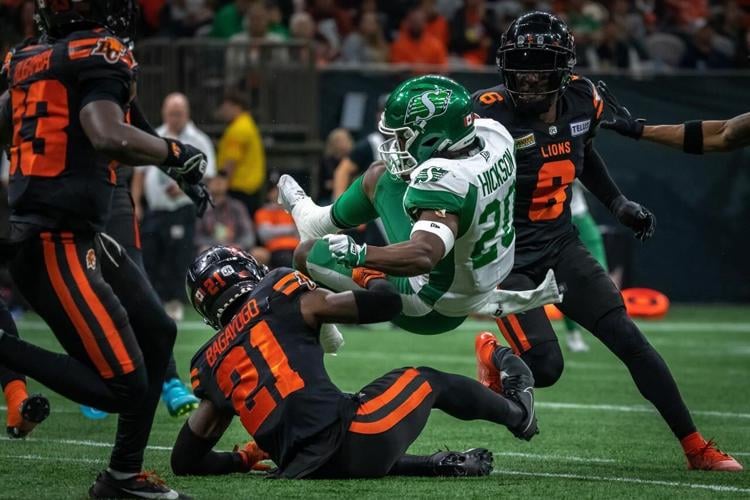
694 136
553 116
265 365
445 196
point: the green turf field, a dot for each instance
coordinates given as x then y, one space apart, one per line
598 437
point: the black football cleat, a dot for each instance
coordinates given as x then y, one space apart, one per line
475 462
518 386
34 410
143 485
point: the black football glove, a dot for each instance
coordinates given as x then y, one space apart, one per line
200 196
185 163
636 217
622 121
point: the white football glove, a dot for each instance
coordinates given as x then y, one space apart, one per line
505 302
331 339
345 250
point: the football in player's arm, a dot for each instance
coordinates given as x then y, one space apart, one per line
693 136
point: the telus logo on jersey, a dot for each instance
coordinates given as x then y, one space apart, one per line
498 173
580 128
426 106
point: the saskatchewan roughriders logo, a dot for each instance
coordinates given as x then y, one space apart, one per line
427 106
432 174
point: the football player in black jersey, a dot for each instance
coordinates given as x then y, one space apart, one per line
69 93
553 116
265 366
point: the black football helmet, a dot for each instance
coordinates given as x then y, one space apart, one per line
536 57
219 277
57 18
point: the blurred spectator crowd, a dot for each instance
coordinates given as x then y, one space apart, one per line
632 34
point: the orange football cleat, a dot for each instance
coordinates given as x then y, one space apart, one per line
709 457
488 375
252 455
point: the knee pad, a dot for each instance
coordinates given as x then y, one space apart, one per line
546 363
618 332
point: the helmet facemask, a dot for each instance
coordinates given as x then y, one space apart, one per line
395 151
535 76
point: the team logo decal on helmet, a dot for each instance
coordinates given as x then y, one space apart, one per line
429 105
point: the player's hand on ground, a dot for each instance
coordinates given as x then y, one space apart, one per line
200 196
622 121
184 163
252 456
635 216
345 250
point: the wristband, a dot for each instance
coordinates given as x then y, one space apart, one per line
438 229
693 137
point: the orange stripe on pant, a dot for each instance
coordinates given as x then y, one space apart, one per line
75 316
506 334
389 394
520 334
396 416
102 316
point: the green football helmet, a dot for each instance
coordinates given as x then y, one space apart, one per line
423 116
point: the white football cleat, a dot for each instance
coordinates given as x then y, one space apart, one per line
312 221
575 342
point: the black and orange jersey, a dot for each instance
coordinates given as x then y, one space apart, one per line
548 157
267 367
57 179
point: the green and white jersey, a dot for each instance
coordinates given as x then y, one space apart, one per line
480 190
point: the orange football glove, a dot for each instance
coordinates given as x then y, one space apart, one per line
362 276
252 455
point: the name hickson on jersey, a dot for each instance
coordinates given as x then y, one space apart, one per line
479 189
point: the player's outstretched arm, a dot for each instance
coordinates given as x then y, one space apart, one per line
103 122
694 136
193 453
378 302
432 238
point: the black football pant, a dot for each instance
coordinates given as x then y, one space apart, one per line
168 249
108 319
593 301
124 228
393 411
9 327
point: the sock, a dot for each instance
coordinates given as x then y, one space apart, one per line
413 465
15 395
353 207
120 476
691 442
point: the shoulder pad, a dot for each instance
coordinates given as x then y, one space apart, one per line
292 282
100 49
582 86
488 125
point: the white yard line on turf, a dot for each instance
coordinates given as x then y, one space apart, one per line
54 459
563 458
550 405
633 409
660 326
634 480
77 442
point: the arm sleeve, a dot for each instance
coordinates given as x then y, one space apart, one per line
194 455
596 178
435 188
106 89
